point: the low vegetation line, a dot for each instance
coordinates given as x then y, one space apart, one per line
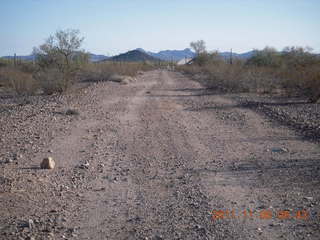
295 71
60 63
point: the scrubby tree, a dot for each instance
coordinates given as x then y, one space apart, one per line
299 57
208 58
268 57
305 65
61 53
199 47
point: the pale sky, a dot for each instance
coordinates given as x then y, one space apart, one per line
111 27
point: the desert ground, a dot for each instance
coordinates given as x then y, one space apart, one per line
161 157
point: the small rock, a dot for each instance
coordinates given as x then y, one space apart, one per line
9 161
51 234
30 223
308 198
71 230
47 163
279 150
158 237
85 165
72 112
198 226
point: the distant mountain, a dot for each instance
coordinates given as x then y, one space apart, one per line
134 56
31 57
141 50
97 58
178 55
140 54
170 55
243 56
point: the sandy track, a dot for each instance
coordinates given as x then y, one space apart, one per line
164 153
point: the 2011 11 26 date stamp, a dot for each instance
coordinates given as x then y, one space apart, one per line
265 214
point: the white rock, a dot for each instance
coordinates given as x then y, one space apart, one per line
30 223
86 164
47 163
116 78
308 198
9 161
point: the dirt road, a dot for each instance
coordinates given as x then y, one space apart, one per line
164 158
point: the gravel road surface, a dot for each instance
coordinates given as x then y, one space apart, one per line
159 158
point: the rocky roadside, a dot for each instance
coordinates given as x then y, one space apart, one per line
297 113
35 203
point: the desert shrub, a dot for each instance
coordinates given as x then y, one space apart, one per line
299 57
205 58
199 47
94 72
218 73
300 72
51 81
191 69
301 81
20 82
312 87
3 62
268 57
294 71
27 67
62 57
228 77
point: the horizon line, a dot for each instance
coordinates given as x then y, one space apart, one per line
215 50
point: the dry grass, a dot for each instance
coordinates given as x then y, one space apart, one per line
27 79
18 81
297 75
52 81
104 71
